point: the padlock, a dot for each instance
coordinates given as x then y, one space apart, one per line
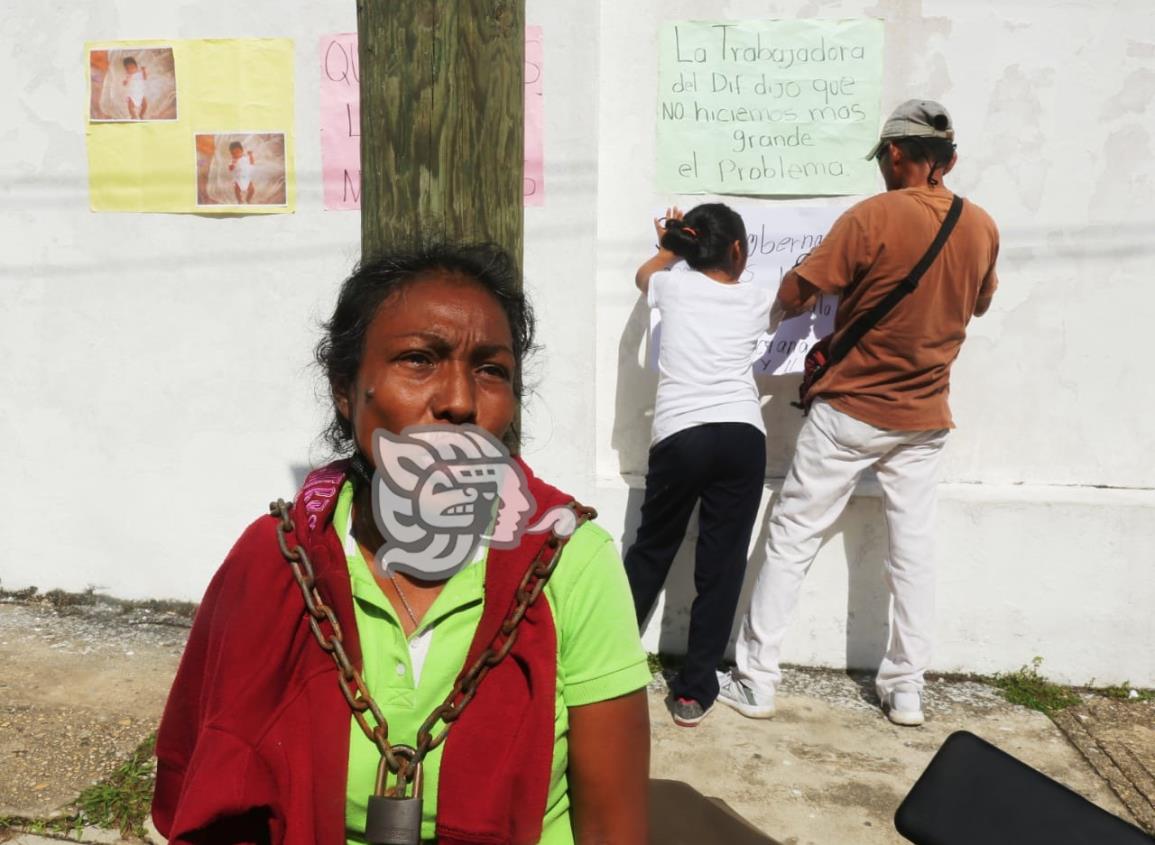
395 819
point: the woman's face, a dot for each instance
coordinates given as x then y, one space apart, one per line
440 350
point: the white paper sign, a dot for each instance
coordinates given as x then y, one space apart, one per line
777 236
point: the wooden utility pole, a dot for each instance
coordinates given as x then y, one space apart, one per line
442 121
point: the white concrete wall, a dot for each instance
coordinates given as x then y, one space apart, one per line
157 389
155 380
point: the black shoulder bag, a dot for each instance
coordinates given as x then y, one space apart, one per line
825 355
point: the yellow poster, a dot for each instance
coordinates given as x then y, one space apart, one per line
191 126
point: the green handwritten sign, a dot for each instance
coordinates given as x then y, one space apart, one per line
784 107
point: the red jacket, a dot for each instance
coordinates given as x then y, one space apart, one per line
254 743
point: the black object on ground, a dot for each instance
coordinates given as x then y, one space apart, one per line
973 792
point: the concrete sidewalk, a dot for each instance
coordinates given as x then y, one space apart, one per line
82 687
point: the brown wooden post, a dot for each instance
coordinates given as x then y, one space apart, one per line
442 121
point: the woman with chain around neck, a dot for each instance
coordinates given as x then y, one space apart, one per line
322 691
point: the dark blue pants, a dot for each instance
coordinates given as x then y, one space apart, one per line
721 465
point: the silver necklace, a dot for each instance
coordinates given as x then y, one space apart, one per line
393 580
404 601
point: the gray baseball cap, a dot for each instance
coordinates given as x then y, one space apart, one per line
915 119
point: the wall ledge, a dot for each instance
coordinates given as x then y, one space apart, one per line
975 491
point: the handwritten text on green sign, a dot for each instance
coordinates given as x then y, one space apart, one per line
768 107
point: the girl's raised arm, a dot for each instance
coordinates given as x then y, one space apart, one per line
664 259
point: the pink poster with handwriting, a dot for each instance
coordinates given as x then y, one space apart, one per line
341 120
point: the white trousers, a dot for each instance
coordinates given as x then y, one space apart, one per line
833 451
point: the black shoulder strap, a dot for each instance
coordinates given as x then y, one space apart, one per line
866 322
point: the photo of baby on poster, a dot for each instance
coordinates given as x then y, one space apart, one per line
132 84
241 168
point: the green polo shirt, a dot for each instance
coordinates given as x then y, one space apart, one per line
599 657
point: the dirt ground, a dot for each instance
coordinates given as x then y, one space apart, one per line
829 769
1118 739
82 687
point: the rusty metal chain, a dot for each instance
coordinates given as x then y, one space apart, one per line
532 583
353 686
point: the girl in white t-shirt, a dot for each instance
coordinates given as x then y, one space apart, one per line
709 442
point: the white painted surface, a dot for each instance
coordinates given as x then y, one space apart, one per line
1052 393
157 389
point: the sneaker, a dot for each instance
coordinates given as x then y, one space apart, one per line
686 711
903 707
748 702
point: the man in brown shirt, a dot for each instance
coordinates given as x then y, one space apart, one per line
884 406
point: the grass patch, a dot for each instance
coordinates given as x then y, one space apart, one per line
61 599
122 800
16 595
664 664
1028 688
63 826
166 611
1126 692
182 609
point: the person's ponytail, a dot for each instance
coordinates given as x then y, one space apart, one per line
703 237
684 241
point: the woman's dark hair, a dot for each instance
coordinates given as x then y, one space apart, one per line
704 236
129 61
937 152
375 280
